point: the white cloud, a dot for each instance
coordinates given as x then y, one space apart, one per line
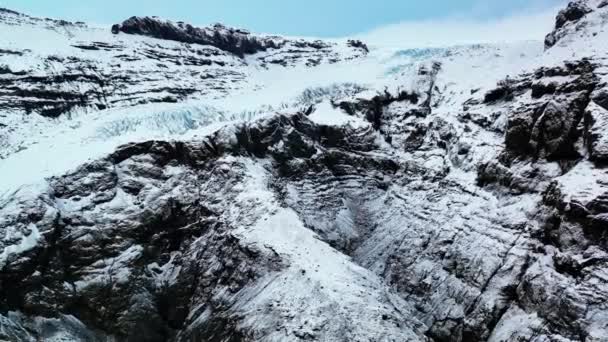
528 24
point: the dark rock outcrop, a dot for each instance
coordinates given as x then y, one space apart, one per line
139 275
363 225
596 123
358 44
171 268
503 92
571 14
236 41
551 126
574 12
374 108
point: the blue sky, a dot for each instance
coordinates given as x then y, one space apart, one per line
323 18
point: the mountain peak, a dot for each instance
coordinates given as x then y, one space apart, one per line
234 40
578 17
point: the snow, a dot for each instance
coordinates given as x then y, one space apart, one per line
26 243
583 183
70 142
317 278
599 127
284 232
512 323
326 114
45 148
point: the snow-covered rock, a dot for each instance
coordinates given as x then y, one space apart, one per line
338 193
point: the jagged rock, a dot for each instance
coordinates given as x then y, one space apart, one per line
574 12
409 209
374 108
169 268
137 273
541 89
358 44
235 41
596 121
496 173
555 132
552 128
504 91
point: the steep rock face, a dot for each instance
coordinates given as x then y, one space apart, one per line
570 15
551 126
596 120
149 210
429 212
146 245
138 274
574 12
530 255
565 285
569 20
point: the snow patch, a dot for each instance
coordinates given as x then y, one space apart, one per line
26 243
326 114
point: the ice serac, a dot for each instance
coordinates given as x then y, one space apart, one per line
452 194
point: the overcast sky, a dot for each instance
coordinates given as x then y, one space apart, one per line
321 18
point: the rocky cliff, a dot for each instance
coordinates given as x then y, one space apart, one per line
407 201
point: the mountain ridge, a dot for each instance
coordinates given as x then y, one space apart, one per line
383 196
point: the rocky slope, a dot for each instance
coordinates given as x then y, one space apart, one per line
98 68
409 201
55 68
